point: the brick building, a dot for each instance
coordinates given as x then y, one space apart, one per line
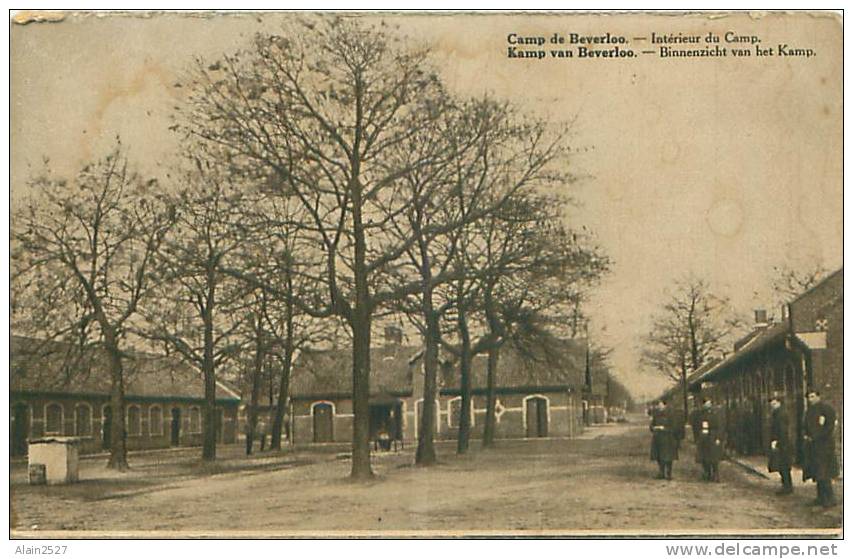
532 400
56 390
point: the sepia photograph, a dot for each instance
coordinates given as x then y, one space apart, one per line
425 275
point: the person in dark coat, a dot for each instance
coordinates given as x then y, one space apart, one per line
707 426
779 455
821 464
695 422
664 441
249 434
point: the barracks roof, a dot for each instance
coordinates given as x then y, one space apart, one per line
561 369
49 367
328 373
764 338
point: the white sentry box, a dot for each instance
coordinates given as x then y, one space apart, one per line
60 457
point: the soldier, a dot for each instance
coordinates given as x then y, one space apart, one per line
664 442
247 431
821 463
779 454
708 436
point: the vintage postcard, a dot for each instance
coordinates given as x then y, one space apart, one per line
426 274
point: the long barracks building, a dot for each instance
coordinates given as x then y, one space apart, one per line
803 351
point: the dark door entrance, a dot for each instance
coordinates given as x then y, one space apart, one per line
20 429
176 427
107 427
386 423
323 428
537 417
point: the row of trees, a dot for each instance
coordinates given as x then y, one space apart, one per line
328 180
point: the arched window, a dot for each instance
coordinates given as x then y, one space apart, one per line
195 420
155 421
134 421
53 419
83 420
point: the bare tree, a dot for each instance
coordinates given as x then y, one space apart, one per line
275 250
523 158
690 328
257 339
539 274
316 115
484 167
790 281
197 308
83 253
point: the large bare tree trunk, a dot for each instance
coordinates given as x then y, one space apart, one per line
360 354
463 439
362 310
361 394
208 452
491 372
425 455
257 368
118 433
284 382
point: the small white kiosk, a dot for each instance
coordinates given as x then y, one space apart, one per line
54 460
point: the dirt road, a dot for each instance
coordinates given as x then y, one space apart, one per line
602 482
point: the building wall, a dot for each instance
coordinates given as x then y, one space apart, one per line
92 437
822 309
565 417
744 395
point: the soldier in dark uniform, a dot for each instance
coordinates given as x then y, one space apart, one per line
821 464
664 440
779 453
707 426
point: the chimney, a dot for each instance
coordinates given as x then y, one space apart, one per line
760 318
393 336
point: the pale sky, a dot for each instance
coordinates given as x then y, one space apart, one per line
720 167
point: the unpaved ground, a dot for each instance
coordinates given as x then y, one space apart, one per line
602 482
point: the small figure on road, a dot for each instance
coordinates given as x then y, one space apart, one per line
779 453
708 432
821 464
664 441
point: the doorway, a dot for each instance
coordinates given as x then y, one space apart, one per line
386 423
20 429
176 427
537 417
323 423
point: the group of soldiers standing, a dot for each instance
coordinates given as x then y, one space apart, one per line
708 427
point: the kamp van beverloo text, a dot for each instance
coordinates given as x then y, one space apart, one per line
581 46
